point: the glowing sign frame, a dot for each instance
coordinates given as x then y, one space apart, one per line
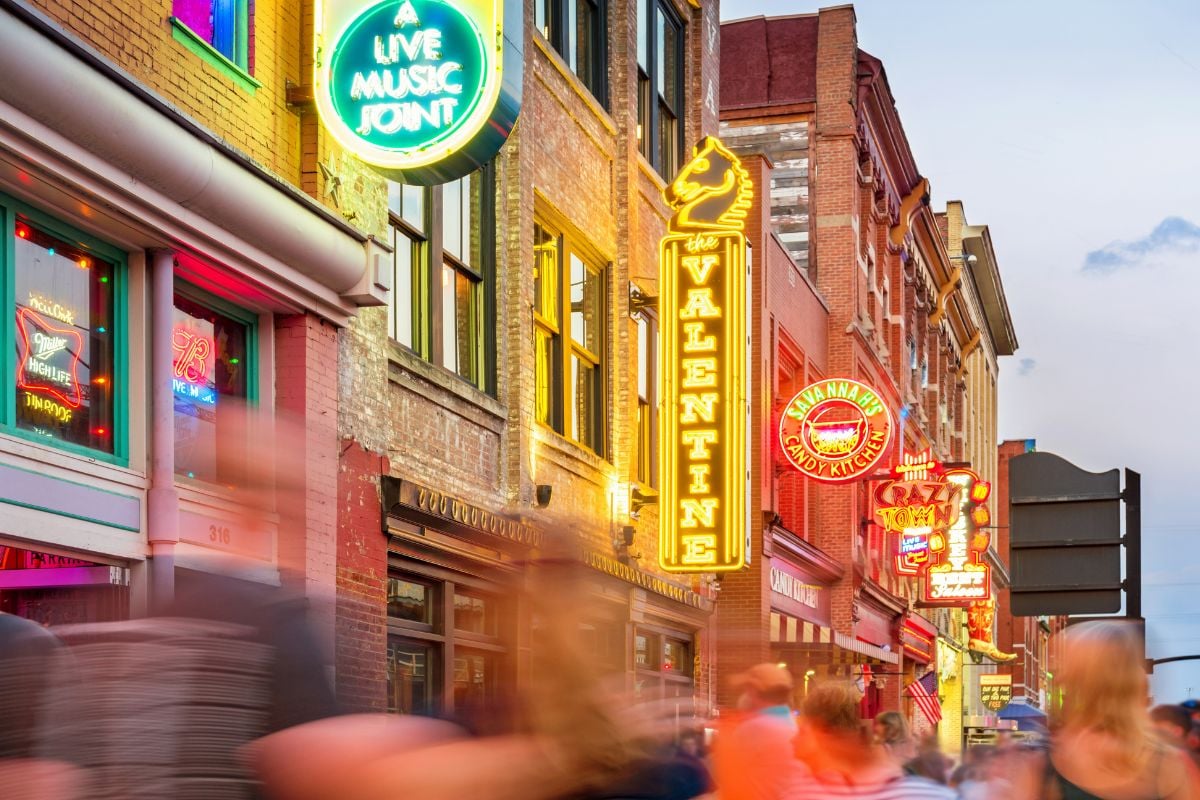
956 558
868 436
917 504
73 395
703 350
482 41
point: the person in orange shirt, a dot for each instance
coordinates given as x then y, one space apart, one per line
754 754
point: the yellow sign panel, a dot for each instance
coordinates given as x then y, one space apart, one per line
703 311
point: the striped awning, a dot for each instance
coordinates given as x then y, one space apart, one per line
788 632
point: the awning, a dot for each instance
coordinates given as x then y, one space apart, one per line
823 644
1027 717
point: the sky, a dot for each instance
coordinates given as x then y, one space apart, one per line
1069 127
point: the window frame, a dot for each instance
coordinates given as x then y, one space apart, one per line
10 209
647 440
240 315
231 35
552 20
648 99
565 348
428 334
441 636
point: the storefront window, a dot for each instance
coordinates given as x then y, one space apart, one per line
664 665
423 641
65 337
474 614
409 670
210 364
409 600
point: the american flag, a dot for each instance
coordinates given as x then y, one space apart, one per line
923 691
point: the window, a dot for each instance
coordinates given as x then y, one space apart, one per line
225 25
663 664
577 29
65 338
660 86
647 383
211 360
569 340
434 624
65 329
446 316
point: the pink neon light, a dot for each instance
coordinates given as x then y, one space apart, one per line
193 349
25 317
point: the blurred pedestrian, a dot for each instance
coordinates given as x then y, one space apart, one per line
1102 744
753 756
842 759
1172 723
26 653
1192 743
931 764
892 733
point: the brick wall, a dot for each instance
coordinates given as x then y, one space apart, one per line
136 36
361 631
306 389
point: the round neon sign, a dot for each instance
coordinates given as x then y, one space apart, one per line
411 84
836 430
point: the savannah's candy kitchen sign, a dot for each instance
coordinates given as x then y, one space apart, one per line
425 91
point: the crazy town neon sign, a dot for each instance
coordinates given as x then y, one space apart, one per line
919 502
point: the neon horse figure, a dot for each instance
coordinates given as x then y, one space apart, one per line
713 191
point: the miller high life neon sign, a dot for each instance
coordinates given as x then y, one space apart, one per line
703 315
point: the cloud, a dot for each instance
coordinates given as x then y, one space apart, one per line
1173 236
1026 366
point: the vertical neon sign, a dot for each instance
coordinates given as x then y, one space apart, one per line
703 354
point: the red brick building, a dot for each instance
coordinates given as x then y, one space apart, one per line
508 394
869 295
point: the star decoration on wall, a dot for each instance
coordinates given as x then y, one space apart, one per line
333 183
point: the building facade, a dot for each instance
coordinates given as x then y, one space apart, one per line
504 406
165 261
872 289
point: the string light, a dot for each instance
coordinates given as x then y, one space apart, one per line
100 381
84 263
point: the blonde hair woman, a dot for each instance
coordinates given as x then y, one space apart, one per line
891 731
1102 746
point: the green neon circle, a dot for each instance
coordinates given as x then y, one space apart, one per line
355 58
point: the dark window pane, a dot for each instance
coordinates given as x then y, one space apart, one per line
676 657
645 103
668 142
545 274
64 341
209 363
474 680
583 406
644 357
409 600
641 651
452 218
544 364
404 294
475 614
670 61
449 320
643 34
645 443
409 666
587 327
